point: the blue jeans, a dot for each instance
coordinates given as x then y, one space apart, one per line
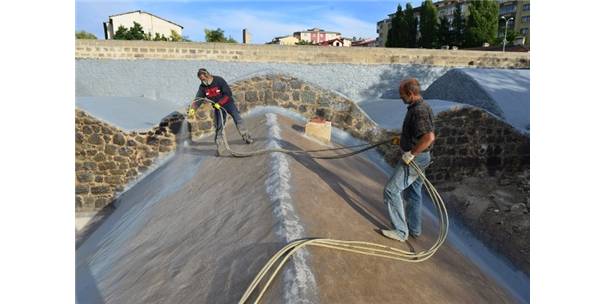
406 179
220 117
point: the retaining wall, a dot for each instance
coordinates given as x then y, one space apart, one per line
125 49
107 158
468 140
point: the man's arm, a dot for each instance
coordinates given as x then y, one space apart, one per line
197 100
226 91
424 142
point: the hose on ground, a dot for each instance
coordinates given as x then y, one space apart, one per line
267 274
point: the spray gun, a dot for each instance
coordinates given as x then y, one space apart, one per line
191 111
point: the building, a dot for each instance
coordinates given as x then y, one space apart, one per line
520 12
316 35
151 24
246 37
339 41
284 40
364 43
383 27
447 8
313 36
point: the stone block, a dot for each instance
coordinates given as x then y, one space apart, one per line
119 139
82 189
251 96
85 177
96 139
308 97
111 149
166 142
108 165
100 190
114 180
319 129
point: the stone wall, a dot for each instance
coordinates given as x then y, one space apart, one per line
296 95
471 142
107 159
124 49
468 140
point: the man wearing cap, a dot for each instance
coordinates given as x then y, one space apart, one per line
415 143
217 90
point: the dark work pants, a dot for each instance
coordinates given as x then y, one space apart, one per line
220 117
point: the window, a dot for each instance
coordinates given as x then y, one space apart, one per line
526 7
507 9
524 31
526 19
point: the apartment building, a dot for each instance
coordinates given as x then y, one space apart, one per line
520 12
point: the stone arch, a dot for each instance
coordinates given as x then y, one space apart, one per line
296 95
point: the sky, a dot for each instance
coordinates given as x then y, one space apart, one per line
263 19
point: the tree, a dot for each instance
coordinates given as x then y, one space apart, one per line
121 33
482 23
428 25
160 38
85 35
411 23
444 33
136 32
458 26
304 42
174 36
217 36
397 32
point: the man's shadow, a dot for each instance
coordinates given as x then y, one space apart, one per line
369 211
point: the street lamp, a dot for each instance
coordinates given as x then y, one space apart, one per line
505 36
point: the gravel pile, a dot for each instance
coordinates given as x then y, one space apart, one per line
505 93
176 81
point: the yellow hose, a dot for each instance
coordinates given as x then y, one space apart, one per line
359 247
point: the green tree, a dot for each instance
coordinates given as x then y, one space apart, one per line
174 36
411 23
428 25
136 32
121 33
304 42
397 32
157 37
217 36
85 35
482 23
458 26
444 33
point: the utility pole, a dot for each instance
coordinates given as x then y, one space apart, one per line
505 36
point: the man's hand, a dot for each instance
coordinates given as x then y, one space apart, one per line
395 140
194 105
407 157
217 106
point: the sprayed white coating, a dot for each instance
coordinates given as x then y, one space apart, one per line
299 281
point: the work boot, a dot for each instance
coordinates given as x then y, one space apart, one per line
245 135
221 146
392 234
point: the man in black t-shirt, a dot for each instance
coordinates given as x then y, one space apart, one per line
216 89
415 142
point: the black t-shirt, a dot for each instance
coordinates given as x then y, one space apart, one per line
418 121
